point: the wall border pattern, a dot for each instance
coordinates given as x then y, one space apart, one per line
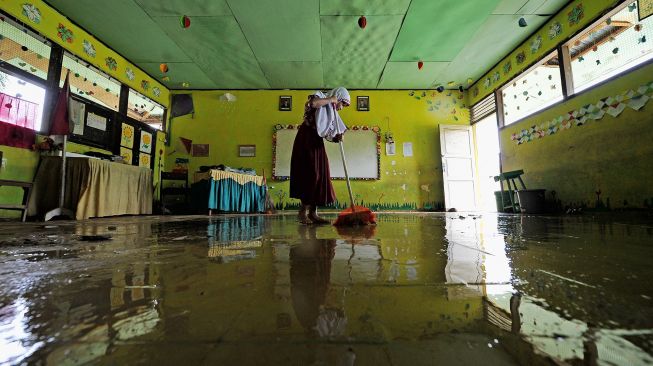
612 106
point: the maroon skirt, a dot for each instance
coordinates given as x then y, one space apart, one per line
310 178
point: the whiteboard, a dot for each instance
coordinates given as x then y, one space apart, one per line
361 150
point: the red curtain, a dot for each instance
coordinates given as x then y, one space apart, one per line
17 118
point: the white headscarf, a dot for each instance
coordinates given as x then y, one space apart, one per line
327 120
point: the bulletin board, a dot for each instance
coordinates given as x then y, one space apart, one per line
362 149
91 124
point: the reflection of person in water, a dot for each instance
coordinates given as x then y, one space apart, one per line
310 274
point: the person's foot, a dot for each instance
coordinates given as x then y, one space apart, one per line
302 216
312 215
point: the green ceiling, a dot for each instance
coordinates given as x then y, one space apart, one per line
305 44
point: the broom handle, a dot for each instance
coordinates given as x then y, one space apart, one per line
344 165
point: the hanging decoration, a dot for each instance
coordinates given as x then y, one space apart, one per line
163 68
88 48
185 21
32 13
522 22
420 64
362 22
440 89
185 84
460 88
65 34
166 78
576 14
613 106
111 63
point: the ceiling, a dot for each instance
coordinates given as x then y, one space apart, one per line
305 44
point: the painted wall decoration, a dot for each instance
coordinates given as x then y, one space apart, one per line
53 25
521 57
127 136
144 160
126 154
146 142
32 13
111 63
129 73
89 49
544 41
576 14
507 67
613 106
145 85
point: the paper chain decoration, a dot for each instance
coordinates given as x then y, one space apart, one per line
612 106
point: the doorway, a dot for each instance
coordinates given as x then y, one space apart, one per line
488 163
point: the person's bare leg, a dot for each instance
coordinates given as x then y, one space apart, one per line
312 214
302 215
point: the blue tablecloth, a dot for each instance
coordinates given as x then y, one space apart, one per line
228 195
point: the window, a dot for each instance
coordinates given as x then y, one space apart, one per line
20 48
533 90
21 102
89 83
617 43
144 109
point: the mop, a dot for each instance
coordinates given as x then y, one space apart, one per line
354 215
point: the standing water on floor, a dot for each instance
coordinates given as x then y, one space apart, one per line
252 290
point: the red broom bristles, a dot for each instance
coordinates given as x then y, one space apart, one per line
356 215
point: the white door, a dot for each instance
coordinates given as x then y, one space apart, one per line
457 148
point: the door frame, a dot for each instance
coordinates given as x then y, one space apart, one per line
472 156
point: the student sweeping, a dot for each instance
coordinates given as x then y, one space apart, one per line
310 178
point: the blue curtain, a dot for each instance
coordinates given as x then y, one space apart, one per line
228 195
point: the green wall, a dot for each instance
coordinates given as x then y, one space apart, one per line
613 155
405 181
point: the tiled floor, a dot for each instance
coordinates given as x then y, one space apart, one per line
417 289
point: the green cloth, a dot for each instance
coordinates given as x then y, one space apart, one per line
230 196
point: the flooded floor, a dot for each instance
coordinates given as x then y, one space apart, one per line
417 289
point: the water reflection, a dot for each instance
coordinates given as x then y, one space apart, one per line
429 288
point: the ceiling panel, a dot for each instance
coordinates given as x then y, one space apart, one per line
178 73
108 20
293 75
509 6
191 8
363 7
355 57
489 45
423 39
289 35
406 75
551 6
219 48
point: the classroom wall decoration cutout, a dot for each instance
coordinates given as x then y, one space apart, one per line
612 106
65 34
88 48
32 13
146 142
576 14
555 30
127 136
111 63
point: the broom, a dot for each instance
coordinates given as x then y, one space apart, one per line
354 215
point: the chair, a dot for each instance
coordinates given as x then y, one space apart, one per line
27 191
509 178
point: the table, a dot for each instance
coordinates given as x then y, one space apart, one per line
94 188
233 192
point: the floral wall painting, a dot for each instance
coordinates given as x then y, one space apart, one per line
144 160
127 136
554 30
111 63
536 44
146 142
496 77
65 34
32 13
126 155
156 91
145 85
521 57
645 9
576 14
129 73
507 67
89 49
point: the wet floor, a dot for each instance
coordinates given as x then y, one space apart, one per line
417 289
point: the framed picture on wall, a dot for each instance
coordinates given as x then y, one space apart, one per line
363 103
247 151
285 103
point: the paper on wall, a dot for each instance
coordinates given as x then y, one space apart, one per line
95 121
408 149
76 112
390 148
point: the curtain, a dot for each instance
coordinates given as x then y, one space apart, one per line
17 118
